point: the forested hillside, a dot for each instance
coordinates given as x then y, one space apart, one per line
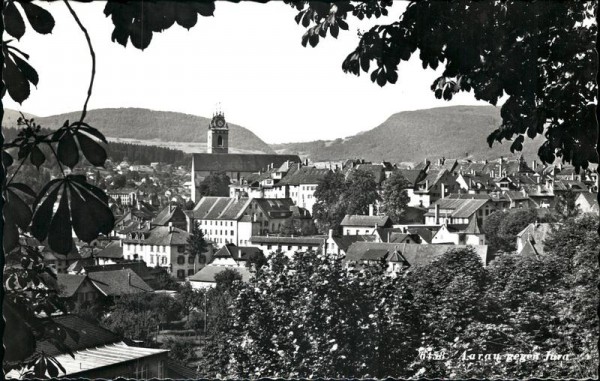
412 136
143 124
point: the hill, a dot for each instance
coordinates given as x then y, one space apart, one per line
411 136
142 126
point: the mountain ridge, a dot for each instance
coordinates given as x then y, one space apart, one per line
412 136
145 126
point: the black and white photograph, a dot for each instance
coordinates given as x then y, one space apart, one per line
299 189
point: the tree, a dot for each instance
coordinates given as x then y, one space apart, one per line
327 211
215 184
137 316
487 48
196 243
512 224
310 317
395 197
225 279
337 196
566 205
360 192
189 299
491 227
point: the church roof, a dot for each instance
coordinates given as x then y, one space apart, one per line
235 162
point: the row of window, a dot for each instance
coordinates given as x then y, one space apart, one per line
154 248
181 273
289 247
219 232
216 223
191 259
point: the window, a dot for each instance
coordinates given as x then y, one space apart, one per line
164 260
180 249
180 260
289 247
191 272
180 274
164 248
191 259
201 258
232 232
269 247
151 258
220 141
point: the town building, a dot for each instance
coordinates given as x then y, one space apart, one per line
362 225
162 246
288 245
400 257
100 353
124 196
218 158
453 211
530 241
587 202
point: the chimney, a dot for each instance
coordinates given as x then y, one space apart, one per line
129 277
170 227
443 190
330 233
426 184
437 214
533 165
370 209
120 243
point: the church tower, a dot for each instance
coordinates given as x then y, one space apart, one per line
218 134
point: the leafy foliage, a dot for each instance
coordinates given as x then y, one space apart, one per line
488 48
337 195
137 316
501 227
215 184
395 198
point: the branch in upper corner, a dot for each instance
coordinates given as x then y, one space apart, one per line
89 42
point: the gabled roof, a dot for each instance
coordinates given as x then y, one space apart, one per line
160 235
103 356
345 241
208 272
529 251
234 162
239 253
90 335
304 175
113 250
168 214
378 171
473 227
119 282
365 221
591 198
68 284
415 254
297 240
535 233
220 208
275 207
411 175
460 208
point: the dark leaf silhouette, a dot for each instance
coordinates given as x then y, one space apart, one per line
92 151
37 156
137 23
82 207
7 159
68 153
17 213
15 80
40 19
13 22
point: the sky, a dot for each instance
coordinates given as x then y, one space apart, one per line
248 58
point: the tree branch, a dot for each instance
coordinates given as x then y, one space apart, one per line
92 53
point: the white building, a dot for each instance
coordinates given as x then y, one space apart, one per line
163 246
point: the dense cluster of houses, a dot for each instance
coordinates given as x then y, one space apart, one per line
269 209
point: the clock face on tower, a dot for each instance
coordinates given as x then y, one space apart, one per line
220 122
